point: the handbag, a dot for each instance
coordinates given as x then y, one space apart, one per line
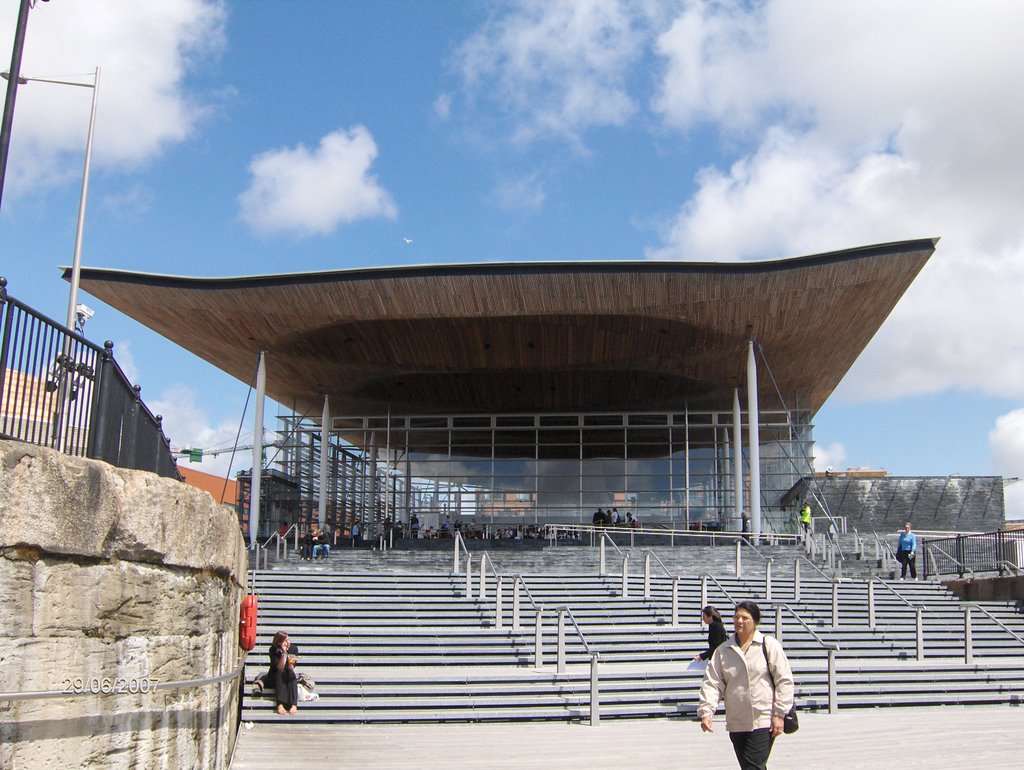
790 722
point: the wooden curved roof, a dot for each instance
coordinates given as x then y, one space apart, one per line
530 337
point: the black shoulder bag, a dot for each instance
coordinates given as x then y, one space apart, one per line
790 722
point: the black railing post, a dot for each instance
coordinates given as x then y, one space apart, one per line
7 310
130 429
97 446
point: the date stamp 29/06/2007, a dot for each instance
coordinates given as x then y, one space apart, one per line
108 685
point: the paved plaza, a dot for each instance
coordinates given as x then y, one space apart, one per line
937 738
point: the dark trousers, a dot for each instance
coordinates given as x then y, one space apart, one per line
286 688
904 558
752 749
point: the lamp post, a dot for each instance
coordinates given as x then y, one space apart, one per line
76 265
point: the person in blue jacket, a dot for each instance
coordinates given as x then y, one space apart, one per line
906 552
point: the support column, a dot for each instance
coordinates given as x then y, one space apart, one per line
754 438
737 458
257 451
325 436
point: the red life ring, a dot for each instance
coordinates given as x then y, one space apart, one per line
247 622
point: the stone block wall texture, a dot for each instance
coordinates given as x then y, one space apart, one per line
114 574
930 503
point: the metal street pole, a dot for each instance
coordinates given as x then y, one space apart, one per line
12 89
76 265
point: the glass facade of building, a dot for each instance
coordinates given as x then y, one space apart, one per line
674 469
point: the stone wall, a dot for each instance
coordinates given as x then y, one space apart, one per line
114 579
931 503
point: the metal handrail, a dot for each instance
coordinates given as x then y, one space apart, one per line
817 569
486 557
781 537
722 588
575 625
998 622
825 645
898 595
177 685
1014 568
658 559
955 560
279 536
606 536
522 581
745 539
884 545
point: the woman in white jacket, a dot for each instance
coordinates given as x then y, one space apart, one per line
738 673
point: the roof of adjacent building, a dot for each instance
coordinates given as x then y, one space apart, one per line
531 336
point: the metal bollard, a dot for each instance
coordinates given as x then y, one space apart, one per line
469 577
560 642
538 639
871 604
499 621
768 580
833 701
458 562
778 622
739 564
796 580
920 633
968 637
602 570
675 602
835 605
647 576
625 576
703 591
595 693
515 605
482 593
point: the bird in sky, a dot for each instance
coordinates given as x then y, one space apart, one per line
407 240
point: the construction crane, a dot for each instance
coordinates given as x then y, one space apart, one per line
195 455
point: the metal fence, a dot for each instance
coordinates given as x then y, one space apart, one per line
59 390
1000 552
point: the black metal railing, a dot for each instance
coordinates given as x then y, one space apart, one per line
58 389
999 552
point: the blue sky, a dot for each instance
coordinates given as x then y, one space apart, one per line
269 136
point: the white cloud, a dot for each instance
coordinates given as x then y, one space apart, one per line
1006 444
443 106
525 194
555 67
863 122
143 48
187 425
831 456
125 359
311 192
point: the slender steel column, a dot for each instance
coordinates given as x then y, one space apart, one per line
737 457
754 439
325 437
257 450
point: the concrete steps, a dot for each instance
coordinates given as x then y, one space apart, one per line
410 647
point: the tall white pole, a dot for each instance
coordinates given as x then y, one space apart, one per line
737 457
754 439
257 451
325 439
76 264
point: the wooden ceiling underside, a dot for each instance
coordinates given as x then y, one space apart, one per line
531 337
